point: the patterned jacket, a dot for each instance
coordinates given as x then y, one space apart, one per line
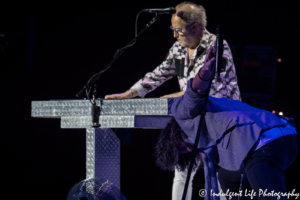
177 63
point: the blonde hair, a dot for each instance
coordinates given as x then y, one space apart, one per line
193 13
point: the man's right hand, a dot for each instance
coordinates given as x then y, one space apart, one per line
124 95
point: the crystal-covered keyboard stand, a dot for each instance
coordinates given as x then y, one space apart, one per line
124 113
102 145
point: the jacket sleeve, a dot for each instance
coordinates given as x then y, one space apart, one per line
165 71
186 111
226 85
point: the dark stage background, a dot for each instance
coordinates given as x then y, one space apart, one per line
52 50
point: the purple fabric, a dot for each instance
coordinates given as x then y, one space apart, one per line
274 133
231 127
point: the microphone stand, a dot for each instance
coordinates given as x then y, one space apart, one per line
219 42
219 49
119 52
95 110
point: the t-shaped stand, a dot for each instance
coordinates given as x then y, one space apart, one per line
102 145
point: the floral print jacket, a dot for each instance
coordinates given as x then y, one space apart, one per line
177 63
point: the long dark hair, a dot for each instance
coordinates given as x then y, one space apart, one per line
167 149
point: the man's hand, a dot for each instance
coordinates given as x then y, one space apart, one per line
210 59
173 95
202 78
124 95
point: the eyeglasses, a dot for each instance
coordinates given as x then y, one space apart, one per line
179 30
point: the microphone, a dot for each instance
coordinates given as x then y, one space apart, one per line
169 11
219 49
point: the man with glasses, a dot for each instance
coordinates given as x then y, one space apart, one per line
184 60
186 57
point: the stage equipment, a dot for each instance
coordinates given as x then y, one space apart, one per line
257 77
88 87
169 11
102 145
95 189
219 49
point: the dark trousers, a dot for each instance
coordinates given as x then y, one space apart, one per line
263 170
